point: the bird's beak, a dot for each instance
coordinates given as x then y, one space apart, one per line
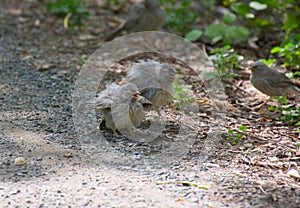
136 95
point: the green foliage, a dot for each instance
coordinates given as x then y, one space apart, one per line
281 99
293 75
290 50
181 96
83 59
268 62
180 15
74 11
226 60
235 136
269 13
290 115
226 31
193 35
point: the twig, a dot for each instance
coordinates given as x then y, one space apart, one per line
184 183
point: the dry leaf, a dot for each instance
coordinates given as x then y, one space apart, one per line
180 200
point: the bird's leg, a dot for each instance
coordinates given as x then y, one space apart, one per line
115 132
101 123
263 104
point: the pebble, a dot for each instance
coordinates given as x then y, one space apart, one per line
20 161
39 158
194 199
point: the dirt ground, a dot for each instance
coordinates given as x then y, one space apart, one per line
40 63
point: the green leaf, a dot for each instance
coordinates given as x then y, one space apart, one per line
257 6
243 128
240 8
193 35
295 74
216 39
230 131
237 33
281 99
215 32
273 3
268 62
290 21
229 18
272 108
276 49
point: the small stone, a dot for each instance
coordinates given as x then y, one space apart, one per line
194 200
20 161
7 162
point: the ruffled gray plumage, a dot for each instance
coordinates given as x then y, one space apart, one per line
154 81
120 106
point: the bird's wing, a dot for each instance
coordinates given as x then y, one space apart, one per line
143 75
280 80
144 102
120 114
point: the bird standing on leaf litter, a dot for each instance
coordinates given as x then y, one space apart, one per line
147 16
154 81
271 82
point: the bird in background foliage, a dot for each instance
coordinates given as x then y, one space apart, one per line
146 16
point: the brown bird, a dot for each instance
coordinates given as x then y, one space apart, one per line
147 16
271 82
154 81
121 107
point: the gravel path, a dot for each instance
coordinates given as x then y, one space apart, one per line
55 176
